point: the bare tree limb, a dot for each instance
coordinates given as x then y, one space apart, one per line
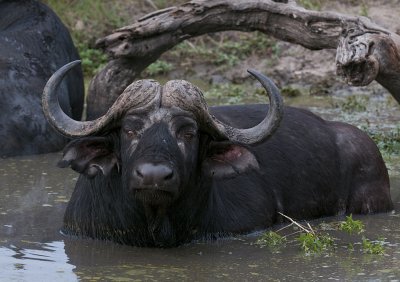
363 56
166 28
365 51
302 227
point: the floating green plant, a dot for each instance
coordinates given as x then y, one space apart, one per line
351 226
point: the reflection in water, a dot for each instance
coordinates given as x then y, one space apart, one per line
33 197
49 262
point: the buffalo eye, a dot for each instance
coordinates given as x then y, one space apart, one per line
187 134
184 129
129 132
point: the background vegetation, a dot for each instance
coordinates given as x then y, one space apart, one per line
213 62
89 20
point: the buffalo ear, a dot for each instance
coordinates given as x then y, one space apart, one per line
90 156
225 159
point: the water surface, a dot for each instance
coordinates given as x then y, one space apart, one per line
34 194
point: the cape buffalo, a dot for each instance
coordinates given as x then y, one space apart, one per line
33 45
160 168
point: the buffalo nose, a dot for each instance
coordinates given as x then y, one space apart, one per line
154 174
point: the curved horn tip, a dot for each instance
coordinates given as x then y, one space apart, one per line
50 104
257 74
72 64
253 71
264 80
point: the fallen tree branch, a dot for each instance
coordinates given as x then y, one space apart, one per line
365 51
163 29
302 227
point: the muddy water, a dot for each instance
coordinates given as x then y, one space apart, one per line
33 197
34 194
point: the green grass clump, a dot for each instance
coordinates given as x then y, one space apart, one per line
355 104
290 92
373 247
232 93
159 67
387 142
226 90
351 226
92 59
315 243
271 239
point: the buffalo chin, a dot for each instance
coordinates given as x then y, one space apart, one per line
156 204
154 197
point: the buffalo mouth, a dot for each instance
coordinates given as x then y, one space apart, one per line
154 197
154 183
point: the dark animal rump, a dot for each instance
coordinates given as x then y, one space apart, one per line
34 43
308 165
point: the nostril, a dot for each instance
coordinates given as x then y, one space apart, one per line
153 174
169 175
138 173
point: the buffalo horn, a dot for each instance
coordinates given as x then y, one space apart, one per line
188 97
267 126
139 94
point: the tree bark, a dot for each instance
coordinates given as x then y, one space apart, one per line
365 51
110 82
363 56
